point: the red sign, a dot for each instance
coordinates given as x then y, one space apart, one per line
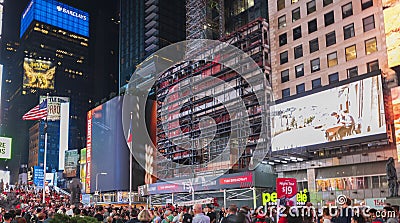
88 151
286 187
236 180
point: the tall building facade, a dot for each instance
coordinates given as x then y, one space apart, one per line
330 64
52 59
147 26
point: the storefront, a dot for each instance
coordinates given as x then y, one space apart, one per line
244 188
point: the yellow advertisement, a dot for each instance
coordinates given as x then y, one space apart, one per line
392 20
38 74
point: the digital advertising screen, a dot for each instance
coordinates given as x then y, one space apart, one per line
391 17
107 150
71 163
56 14
345 112
38 74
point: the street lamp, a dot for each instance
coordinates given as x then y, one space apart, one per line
97 178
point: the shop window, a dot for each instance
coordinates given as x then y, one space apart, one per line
348 31
311 7
332 59
351 52
347 10
299 69
297 33
329 18
282 39
330 38
312 26
369 23
298 51
314 46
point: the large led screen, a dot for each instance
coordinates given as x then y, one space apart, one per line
346 112
38 74
56 14
108 151
392 24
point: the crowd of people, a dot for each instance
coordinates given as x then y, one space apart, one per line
26 207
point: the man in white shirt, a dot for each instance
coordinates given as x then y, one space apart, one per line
199 216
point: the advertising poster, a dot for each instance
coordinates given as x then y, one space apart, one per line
375 203
54 106
286 190
83 168
346 112
395 92
391 16
271 199
38 176
71 163
5 177
5 148
38 74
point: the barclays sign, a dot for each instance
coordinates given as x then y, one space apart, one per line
71 13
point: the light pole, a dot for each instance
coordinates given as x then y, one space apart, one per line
97 178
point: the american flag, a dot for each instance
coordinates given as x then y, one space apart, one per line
37 113
129 139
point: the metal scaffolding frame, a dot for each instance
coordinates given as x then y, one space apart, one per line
177 82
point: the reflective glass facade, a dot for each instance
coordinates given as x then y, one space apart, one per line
56 14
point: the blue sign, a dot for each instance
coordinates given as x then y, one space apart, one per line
38 176
56 14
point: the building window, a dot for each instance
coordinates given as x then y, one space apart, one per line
332 59
369 23
295 14
352 72
366 4
282 21
348 31
370 46
329 18
330 38
284 57
347 10
297 33
282 39
316 83
327 2
294 1
314 46
351 52
298 51
300 88
315 65
285 76
285 92
312 26
311 7
333 78
372 66
281 4
299 69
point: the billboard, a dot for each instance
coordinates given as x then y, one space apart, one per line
5 148
38 73
83 168
56 14
345 112
391 16
71 163
107 149
395 92
54 106
38 176
5 177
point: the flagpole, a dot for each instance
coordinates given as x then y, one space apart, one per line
130 168
45 155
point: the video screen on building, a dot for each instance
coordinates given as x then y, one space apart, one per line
71 163
38 74
341 113
391 18
56 14
108 150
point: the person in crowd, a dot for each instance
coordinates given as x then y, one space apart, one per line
243 215
157 217
283 216
326 217
357 219
373 216
134 217
49 217
391 216
199 216
144 216
211 214
222 213
7 218
99 214
176 217
20 220
344 216
231 216
186 217
41 217
295 216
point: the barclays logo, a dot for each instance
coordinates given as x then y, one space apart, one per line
71 13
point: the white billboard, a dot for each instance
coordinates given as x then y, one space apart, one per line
346 112
54 106
5 148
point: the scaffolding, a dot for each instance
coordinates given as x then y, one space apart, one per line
189 103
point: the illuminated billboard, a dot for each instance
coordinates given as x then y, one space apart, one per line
71 163
56 14
391 17
395 92
38 74
349 111
83 168
5 148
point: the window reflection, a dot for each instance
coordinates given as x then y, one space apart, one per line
351 183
